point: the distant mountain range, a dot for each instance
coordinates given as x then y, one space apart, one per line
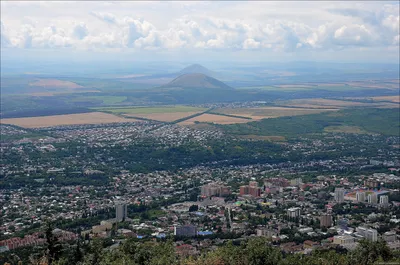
197 80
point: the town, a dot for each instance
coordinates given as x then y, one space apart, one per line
72 176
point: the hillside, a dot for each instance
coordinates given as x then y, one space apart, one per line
196 81
196 69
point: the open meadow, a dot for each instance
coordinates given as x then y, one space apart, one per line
69 119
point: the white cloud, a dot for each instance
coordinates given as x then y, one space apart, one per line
251 44
80 31
276 26
4 40
353 35
106 17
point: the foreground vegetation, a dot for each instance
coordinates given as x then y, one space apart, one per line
256 251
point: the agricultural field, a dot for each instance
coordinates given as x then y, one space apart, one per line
165 117
54 83
395 99
212 118
68 119
270 112
330 103
151 110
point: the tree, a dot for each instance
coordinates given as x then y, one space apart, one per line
78 255
260 252
54 248
368 252
193 208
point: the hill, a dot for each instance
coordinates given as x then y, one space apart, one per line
196 69
197 80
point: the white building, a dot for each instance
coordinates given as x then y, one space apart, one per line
360 196
384 200
343 240
367 233
372 198
293 212
339 195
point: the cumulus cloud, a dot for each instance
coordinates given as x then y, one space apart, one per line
80 31
353 35
251 44
347 27
4 40
135 29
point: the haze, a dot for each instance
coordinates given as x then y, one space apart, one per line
115 33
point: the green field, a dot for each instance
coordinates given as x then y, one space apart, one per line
344 129
150 110
365 120
305 87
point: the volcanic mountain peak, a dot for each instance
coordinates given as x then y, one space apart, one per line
196 80
196 69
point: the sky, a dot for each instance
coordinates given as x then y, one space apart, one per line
350 31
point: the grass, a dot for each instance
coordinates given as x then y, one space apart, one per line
345 129
150 110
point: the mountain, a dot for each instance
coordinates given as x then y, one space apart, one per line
196 81
196 69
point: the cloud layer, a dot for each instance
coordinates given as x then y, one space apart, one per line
275 27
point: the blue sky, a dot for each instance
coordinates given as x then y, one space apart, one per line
186 30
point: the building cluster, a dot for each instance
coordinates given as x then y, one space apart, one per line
35 239
287 202
215 189
252 189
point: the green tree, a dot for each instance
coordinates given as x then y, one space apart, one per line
54 248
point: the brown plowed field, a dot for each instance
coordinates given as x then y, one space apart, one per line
68 119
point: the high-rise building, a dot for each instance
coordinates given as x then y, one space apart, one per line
214 189
185 230
360 196
325 220
339 195
372 198
121 212
384 200
371 183
371 234
368 233
293 212
251 189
